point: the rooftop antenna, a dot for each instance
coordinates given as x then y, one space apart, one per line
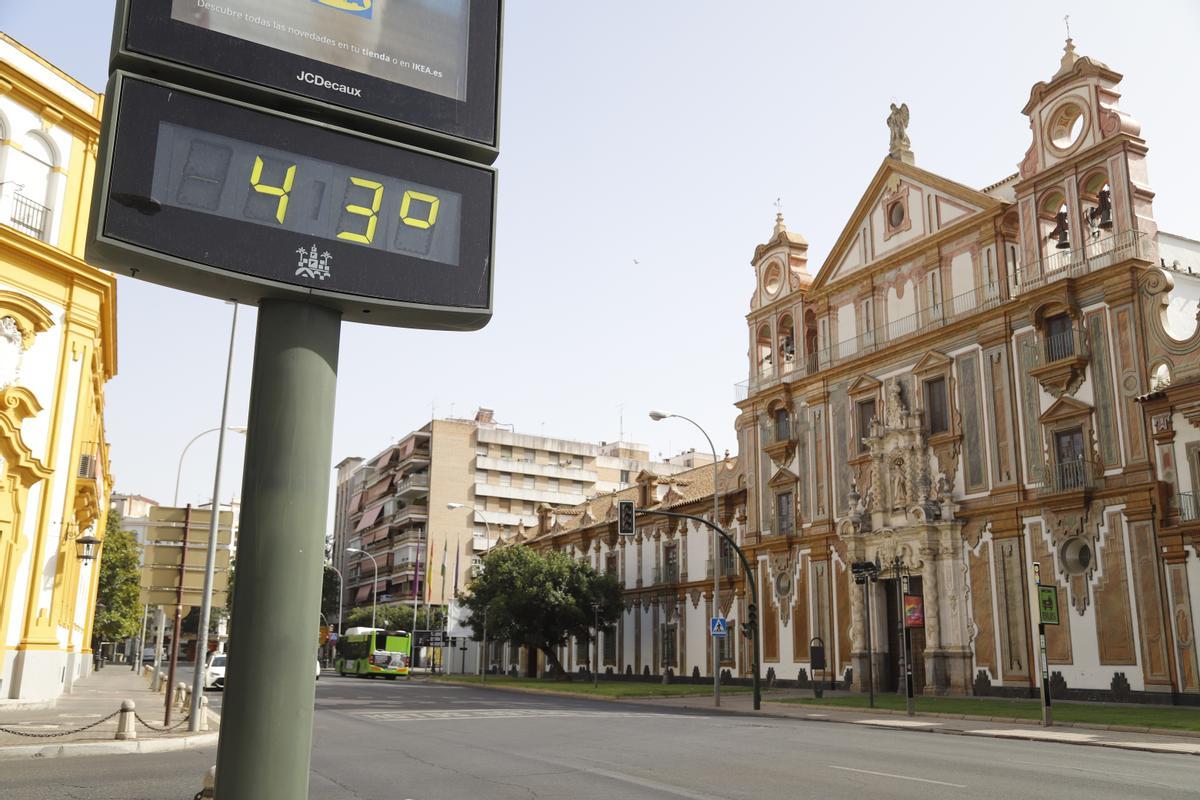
621 423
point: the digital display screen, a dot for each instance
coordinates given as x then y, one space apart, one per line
222 198
418 43
422 72
202 171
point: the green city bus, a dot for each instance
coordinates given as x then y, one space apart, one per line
373 651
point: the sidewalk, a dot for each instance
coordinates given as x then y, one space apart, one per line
56 731
1069 733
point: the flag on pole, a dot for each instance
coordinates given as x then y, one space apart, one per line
445 547
457 550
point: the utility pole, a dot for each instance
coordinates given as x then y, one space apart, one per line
905 651
596 646
1043 662
187 524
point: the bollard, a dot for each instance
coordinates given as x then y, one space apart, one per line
177 698
185 697
125 729
210 782
203 725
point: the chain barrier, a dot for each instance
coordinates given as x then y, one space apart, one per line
138 717
60 733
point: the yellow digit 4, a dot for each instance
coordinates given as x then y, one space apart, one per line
417 222
369 213
281 192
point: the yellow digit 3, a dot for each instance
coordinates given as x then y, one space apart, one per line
369 213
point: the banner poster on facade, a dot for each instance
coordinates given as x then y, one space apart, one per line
914 611
1048 604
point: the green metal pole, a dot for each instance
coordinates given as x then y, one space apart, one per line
266 724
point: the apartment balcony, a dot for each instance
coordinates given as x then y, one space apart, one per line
413 485
1096 254
30 217
1070 477
480 544
581 474
1058 361
410 513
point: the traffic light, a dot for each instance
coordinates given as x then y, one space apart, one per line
751 623
625 518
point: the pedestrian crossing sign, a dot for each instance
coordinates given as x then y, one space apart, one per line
719 627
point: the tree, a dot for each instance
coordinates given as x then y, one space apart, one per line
394 617
541 600
330 588
117 586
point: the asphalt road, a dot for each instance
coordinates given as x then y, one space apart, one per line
425 741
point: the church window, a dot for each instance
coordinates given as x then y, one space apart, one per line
610 645
784 520
896 214
937 412
783 425
865 412
933 293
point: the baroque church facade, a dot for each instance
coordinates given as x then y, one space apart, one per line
959 394
976 385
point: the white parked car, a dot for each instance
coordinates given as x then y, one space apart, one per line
214 673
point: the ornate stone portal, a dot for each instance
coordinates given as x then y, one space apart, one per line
901 515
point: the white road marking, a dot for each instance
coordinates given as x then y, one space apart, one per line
1034 733
897 723
494 713
898 777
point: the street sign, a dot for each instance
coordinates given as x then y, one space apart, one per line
718 627
417 71
1048 605
626 520
437 639
218 198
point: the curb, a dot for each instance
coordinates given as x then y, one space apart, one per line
107 748
27 705
1149 747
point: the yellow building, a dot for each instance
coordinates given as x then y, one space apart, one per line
57 351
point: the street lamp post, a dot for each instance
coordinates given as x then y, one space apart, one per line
374 582
210 562
179 469
658 416
596 646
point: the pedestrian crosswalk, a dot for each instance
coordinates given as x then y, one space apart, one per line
415 715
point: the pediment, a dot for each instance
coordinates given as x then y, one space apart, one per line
1065 408
864 384
933 361
930 204
783 477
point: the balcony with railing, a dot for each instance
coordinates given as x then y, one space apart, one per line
413 485
30 217
1079 475
668 574
1189 507
1058 361
923 321
729 566
1096 254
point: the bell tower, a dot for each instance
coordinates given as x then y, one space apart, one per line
1083 187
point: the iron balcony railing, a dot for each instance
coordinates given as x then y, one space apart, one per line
1095 254
667 574
1057 347
1069 476
1189 507
728 567
30 217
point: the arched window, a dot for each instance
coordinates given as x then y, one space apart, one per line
787 343
764 363
1056 234
30 172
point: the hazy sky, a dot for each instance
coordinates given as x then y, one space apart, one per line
643 146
